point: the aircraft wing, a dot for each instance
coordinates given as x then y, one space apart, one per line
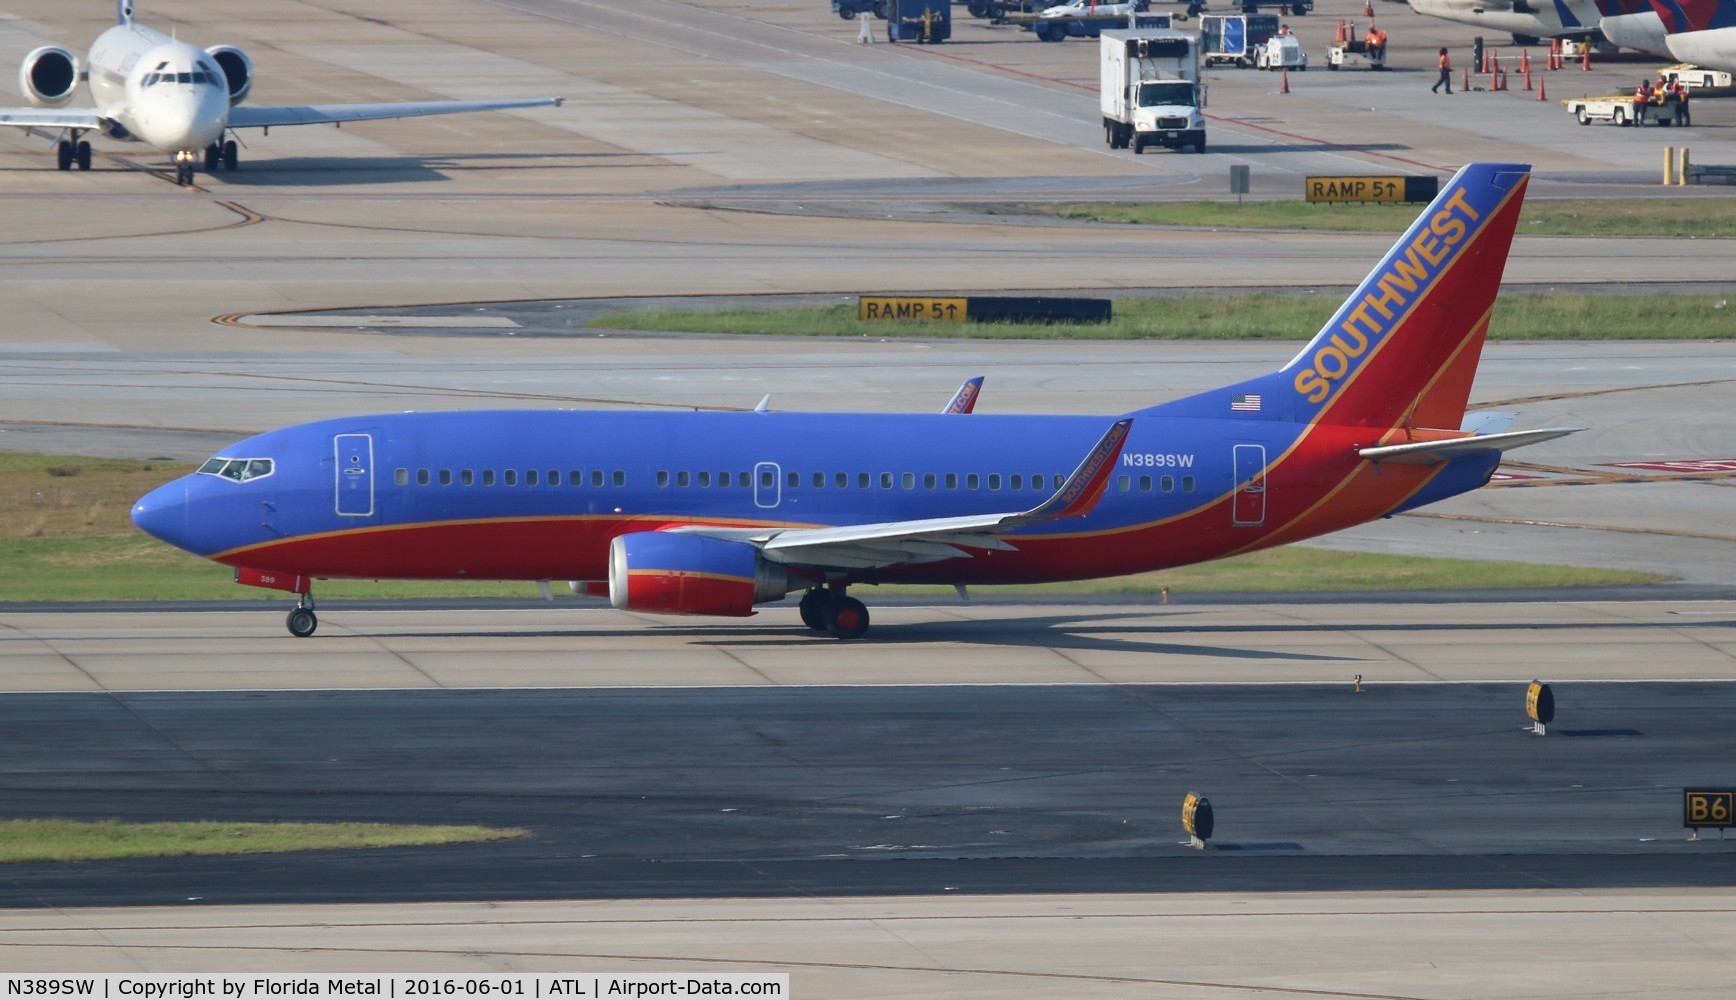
865 546
1436 452
325 114
51 118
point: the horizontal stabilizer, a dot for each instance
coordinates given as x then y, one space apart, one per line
1435 452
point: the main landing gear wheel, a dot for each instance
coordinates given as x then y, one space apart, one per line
231 155
302 622
213 156
63 154
81 153
813 609
847 618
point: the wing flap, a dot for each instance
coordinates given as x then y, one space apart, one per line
326 114
1436 452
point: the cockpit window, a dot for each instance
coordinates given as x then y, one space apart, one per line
238 469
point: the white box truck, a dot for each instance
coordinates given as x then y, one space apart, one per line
1151 90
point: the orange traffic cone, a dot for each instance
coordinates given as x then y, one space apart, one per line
1339 38
1527 79
1367 8
1284 87
1585 59
1525 63
1540 96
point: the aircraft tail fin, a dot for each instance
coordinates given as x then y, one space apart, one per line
1403 349
124 11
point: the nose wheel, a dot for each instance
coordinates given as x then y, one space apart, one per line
302 621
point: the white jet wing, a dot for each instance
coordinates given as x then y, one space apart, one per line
866 546
51 118
1436 452
327 114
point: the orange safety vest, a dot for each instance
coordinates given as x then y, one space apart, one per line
1446 63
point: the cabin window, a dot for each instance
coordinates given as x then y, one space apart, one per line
1056 482
928 480
1123 483
684 479
1015 482
575 477
1037 481
723 479
863 480
1145 484
488 477
1187 484
467 477
819 480
509 477
743 479
909 480
401 477
795 479
620 477
421 477
662 478
445 477
596 477
952 480
1166 484
554 477
704 480
994 480
768 479
530 477
972 482
841 480
886 480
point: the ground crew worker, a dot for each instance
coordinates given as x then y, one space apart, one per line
1376 41
1446 75
1679 91
1283 29
1642 97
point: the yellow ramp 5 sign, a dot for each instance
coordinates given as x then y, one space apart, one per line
883 307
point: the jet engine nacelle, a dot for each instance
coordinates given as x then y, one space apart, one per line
675 574
49 76
236 67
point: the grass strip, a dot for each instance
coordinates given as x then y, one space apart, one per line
1250 316
23 840
1679 217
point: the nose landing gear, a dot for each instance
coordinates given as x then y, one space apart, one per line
184 167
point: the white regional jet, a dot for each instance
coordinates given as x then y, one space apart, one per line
175 97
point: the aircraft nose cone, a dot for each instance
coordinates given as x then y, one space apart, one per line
162 513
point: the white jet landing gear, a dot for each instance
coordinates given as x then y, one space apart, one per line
831 610
222 154
184 167
302 621
72 150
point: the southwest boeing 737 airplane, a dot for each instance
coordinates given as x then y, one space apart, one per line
713 513
177 98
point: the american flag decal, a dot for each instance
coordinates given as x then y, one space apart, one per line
1245 402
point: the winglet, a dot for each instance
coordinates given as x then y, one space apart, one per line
964 400
765 404
1080 493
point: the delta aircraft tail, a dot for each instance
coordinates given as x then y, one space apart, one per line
1402 350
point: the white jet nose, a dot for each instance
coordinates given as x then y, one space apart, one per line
182 117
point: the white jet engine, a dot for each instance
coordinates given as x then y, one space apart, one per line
236 67
49 76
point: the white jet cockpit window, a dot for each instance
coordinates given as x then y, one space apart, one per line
238 469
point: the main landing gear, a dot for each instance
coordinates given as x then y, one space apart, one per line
829 609
302 621
72 150
222 154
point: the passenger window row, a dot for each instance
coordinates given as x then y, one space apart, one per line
1165 484
510 477
864 480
